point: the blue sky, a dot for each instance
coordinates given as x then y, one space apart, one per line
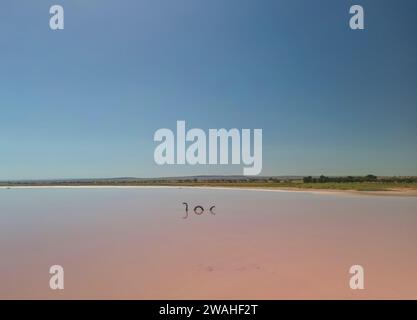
86 101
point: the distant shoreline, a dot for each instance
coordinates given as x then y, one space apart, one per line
394 192
363 185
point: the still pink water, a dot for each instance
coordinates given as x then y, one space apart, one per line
134 244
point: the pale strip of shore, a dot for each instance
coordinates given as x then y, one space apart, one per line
396 192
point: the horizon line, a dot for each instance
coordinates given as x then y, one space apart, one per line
294 176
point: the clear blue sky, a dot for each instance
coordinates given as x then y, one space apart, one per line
86 101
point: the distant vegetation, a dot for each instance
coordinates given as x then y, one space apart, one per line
360 183
367 178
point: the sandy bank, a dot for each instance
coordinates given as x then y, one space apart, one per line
396 192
